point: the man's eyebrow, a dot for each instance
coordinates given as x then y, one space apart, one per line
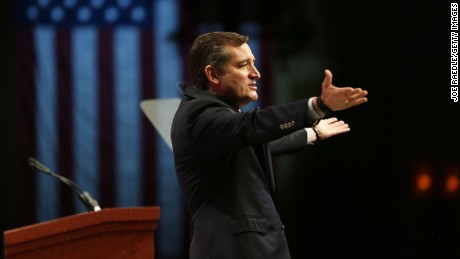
246 60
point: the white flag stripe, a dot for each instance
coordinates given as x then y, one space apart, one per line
168 71
47 202
127 116
85 112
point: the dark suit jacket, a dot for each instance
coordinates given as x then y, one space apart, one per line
223 164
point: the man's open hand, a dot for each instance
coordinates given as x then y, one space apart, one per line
340 98
331 127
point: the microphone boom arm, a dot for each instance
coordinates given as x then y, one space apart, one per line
90 203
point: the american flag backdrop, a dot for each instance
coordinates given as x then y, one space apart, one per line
83 67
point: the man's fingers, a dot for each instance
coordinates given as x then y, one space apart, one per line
358 94
357 98
330 120
360 101
327 79
343 130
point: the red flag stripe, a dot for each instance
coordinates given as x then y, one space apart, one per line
64 86
149 174
26 62
106 119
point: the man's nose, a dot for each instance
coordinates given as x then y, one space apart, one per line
255 73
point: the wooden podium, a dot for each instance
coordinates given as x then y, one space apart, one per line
109 233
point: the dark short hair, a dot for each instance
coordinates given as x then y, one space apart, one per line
208 49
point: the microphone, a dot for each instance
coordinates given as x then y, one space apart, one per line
90 203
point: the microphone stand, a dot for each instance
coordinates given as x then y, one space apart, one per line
90 203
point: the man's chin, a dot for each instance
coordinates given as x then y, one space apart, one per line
254 97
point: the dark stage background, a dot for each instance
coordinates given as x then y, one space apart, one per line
353 196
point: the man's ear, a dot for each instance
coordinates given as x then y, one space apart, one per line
211 74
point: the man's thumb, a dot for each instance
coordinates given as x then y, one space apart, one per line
327 78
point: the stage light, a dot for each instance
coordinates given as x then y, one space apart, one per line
452 183
423 182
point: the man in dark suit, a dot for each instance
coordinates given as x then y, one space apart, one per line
223 156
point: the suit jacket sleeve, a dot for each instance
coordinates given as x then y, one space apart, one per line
290 143
219 128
